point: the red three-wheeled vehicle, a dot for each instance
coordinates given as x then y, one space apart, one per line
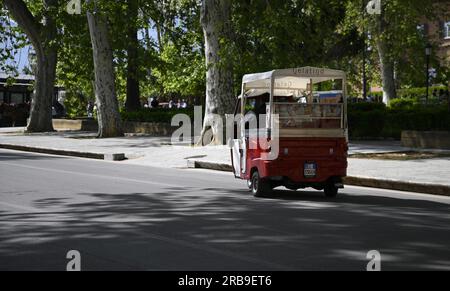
301 139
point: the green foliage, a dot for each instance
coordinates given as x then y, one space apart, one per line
396 30
155 115
75 104
183 71
283 34
376 95
401 103
266 35
181 68
422 118
366 107
418 93
12 40
367 120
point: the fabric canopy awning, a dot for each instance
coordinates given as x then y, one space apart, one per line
288 81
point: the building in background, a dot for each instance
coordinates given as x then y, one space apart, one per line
438 33
18 92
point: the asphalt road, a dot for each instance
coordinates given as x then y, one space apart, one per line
127 217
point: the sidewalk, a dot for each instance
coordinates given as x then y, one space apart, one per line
426 176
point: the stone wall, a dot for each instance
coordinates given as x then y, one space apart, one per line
75 124
426 139
155 129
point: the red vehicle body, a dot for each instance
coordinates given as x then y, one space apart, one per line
310 135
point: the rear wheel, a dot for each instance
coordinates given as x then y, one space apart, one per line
331 190
260 187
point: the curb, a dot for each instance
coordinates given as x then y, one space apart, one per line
96 156
209 166
435 189
427 188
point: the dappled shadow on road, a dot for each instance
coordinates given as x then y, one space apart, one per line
215 229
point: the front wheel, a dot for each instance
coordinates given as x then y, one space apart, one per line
331 191
260 187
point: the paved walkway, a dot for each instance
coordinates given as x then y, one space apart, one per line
158 152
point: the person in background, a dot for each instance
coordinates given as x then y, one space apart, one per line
184 104
171 105
179 104
155 103
90 109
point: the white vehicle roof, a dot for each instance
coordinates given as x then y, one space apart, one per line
288 81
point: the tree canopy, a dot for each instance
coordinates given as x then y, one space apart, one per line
168 57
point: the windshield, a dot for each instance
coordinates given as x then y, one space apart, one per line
321 109
299 115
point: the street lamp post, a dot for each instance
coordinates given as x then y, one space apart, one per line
364 55
428 54
364 68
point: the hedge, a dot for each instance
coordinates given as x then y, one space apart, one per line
416 94
372 120
366 120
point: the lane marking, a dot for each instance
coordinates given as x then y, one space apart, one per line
90 175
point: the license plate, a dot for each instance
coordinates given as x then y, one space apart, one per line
310 170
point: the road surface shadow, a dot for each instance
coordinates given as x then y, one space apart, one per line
189 228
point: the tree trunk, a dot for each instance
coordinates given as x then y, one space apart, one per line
42 37
133 95
387 73
159 36
41 105
385 55
220 100
109 122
